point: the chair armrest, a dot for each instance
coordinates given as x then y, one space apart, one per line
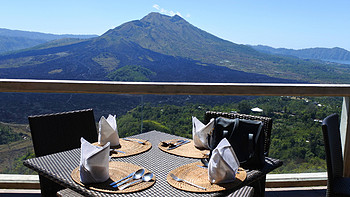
270 165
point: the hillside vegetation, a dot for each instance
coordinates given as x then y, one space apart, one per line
296 134
15 146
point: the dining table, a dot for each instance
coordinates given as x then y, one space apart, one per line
58 167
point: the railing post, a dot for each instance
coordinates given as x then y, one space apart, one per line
345 135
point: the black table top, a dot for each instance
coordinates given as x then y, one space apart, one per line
59 166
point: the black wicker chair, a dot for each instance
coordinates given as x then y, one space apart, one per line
259 186
337 185
52 133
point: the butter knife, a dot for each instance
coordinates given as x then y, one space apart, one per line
132 140
185 142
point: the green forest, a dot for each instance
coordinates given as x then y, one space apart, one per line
15 146
296 136
7 135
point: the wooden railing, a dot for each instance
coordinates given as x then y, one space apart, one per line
176 88
109 87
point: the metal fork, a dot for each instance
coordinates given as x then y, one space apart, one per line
172 143
182 180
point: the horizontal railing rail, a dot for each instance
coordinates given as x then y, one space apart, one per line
173 88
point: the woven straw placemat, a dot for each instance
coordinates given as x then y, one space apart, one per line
117 171
199 176
186 150
130 147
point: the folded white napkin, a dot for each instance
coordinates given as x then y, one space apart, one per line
200 132
108 131
94 162
223 164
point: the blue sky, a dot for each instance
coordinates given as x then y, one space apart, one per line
278 23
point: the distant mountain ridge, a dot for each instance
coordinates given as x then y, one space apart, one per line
17 43
169 47
335 53
11 40
39 35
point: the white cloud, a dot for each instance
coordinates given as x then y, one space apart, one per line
156 6
168 12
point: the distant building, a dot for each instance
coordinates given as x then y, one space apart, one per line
257 109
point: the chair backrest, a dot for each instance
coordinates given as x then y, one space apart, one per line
267 124
52 133
332 143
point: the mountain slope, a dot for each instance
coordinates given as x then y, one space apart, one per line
94 59
16 43
335 53
175 36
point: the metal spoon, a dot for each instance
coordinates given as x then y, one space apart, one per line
146 177
138 174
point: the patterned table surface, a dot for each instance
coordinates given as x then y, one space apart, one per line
59 166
